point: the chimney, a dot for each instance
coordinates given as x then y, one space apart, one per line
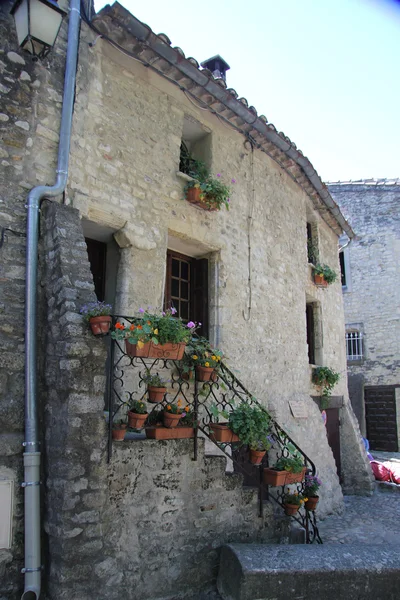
217 66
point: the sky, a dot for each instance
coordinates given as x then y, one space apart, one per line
325 72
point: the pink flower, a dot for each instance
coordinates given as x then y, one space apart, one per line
190 325
218 174
173 311
233 180
141 310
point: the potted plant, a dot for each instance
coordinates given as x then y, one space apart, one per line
206 191
137 414
155 335
311 486
251 424
325 380
287 469
324 275
292 501
97 314
119 430
172 414
221 432
204 359
185 428
155 387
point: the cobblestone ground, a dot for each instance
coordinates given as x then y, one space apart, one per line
373 520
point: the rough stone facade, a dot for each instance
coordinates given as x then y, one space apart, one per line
372 295
125 149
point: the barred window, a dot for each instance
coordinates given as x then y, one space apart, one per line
354 345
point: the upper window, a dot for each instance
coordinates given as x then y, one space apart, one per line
195 145
342 269
354 345
312 243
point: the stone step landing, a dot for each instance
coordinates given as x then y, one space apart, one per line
310 572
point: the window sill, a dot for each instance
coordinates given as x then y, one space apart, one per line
184 176
354 363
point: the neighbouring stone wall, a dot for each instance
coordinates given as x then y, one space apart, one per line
75 430
30 101
373 297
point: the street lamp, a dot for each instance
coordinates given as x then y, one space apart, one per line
38 23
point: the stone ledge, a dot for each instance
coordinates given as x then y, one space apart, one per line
249 571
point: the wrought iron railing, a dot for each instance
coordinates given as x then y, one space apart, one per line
225 392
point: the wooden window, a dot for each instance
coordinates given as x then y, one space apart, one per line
186 288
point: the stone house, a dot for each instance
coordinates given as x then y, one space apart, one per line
370 272
149 523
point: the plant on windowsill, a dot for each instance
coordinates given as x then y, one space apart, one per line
325 380
206 191
287 469
292 501
312 483
97 314
119 430
155 335
324 275
155 387
137 414
251 424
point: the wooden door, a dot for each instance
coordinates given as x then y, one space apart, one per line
380 415
333 433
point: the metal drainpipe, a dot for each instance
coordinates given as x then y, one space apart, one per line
31 483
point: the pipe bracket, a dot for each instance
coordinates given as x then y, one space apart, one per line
30 444
29 483
24 570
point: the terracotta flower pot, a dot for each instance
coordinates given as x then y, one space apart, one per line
156 394
136 420
291 509
193 195
295 477
171 420
312 502
274 478
222 433
163 433
204 373
320 280
100 325
150 350
256 456
119 434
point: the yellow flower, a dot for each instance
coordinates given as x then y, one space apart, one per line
195 357
155 332
207 364
218 358
214 357
140 344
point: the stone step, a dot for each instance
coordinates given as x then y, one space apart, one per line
309 572
386 486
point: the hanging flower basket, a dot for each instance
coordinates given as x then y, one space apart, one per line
150 350
100 325
256 456
204 373
312 502
136 420
222 433
291 509
156 394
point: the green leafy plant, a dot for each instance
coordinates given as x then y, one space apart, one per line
201 354
176 409
326 272
312 252
188 419
159 328
292 464
213 192
138 407
251 424
95 309
326 379
154 380
294 498
155 417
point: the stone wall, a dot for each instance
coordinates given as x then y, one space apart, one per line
373 299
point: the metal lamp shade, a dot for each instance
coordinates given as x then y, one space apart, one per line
38 23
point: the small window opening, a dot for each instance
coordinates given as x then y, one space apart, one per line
195 150
342 269
354 345
312 243
310 333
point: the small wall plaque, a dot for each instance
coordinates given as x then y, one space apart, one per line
298 409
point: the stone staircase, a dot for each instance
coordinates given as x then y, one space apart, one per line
309 572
